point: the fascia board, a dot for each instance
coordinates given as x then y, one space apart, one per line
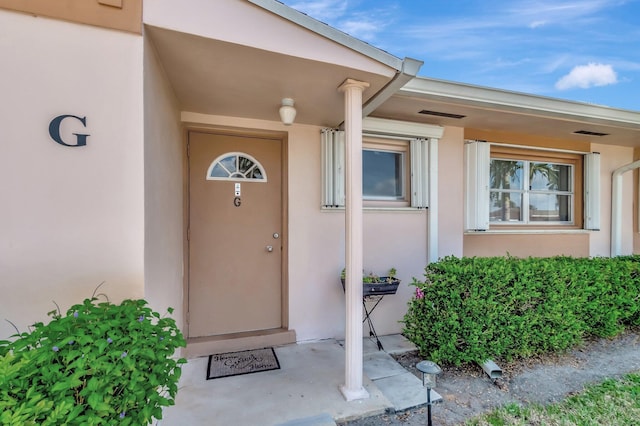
503 100
382 126
329 32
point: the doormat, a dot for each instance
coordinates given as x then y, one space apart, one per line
243 362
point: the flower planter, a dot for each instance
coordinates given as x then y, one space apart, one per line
385 285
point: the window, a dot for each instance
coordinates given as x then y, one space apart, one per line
394 171
522 187
236 166
385 173
531 191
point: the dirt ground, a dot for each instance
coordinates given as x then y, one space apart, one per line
467 391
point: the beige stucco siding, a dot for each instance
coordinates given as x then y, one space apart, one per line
395 239
164 190
450 192
526 244
125 15
72 217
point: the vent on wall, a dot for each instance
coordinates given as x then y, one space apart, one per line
589 133
441 114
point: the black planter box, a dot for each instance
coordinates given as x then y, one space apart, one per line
384 286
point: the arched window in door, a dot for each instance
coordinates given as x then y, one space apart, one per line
236 166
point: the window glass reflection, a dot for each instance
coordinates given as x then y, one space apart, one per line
506 207
382 174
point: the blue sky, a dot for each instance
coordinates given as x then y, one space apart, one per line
581 50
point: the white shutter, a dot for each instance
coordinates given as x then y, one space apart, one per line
592 191
332 158
419 173
477 199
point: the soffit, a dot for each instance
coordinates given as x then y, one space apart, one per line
498 110
221 78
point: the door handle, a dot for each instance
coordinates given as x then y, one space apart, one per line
269 249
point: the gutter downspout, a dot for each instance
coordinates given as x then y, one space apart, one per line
406 73
616 207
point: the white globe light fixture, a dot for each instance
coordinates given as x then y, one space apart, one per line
287 112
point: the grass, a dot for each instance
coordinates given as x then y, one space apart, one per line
612 402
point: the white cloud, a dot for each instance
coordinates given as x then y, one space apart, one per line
536 24
586 76
323 10
362 29
362 24
543 12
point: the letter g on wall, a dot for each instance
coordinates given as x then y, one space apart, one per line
54 130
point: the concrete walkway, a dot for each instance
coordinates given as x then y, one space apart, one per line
303 392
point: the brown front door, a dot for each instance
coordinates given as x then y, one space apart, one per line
235 234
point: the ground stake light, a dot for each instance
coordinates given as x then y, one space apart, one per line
429 370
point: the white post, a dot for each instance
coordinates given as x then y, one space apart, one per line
432 224
353 389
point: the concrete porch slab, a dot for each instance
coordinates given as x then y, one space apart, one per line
305 391
306 385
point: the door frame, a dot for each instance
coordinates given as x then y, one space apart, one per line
244 339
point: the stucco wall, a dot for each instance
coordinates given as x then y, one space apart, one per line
72 217
450 192
164 182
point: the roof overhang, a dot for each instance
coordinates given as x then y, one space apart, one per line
217 68
475 107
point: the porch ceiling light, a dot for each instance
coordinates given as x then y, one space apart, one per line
287 112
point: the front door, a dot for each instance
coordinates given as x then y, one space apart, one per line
235 234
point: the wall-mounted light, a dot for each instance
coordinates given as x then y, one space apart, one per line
287 112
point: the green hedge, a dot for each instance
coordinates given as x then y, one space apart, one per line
98 364
474 309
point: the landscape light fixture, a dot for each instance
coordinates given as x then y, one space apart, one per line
287 112
429 370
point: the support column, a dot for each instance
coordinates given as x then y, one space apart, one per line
353 389
432 224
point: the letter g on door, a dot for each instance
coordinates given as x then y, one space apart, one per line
54 131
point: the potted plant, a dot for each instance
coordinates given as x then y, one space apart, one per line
374 285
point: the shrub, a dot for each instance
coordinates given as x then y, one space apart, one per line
100 363
473 309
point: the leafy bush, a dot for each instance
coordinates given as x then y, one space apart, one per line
101 363
474 309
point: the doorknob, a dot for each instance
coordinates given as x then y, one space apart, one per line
269 249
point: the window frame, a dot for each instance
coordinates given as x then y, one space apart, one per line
531 155
397 147
233 175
